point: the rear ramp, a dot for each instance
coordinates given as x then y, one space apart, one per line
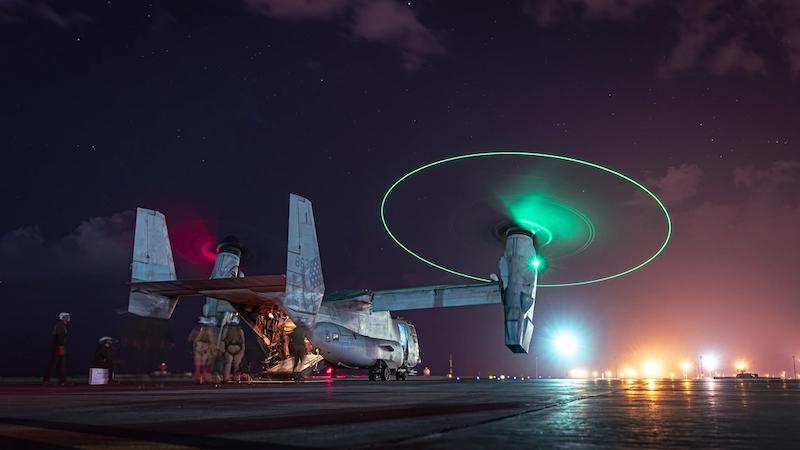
287 365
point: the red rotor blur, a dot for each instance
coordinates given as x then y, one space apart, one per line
194 242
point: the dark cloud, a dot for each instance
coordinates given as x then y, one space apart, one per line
715 35
550 12
23 11
763 217
678 184
299 9
386 22
779 173
97 248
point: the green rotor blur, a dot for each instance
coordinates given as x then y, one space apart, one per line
548 217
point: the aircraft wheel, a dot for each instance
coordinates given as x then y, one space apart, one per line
384 372
400 376
372 375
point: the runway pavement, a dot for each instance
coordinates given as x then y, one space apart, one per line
414 414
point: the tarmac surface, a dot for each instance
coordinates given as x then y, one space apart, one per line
420 413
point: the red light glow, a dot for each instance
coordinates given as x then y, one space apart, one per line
193 241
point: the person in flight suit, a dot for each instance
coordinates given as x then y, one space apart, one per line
58 350
204 340
233 348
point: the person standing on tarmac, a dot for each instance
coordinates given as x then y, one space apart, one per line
104 357
233 348
58 350
204 339
297 348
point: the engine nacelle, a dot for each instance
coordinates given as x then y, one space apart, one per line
519 276
229 255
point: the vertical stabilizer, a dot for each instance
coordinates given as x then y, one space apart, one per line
152 261
304 285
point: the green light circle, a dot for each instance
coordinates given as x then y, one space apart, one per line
538 155
539 229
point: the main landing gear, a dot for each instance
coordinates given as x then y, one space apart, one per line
381 371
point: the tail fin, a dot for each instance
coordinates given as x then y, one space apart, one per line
304 284
152 261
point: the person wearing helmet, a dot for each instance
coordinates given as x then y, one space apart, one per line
58 350
203 338
103 356
233 347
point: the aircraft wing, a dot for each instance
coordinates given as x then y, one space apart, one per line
437 297
251 290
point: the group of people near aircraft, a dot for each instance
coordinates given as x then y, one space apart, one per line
216 348
103 357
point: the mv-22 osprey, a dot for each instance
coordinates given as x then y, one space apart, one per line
351 329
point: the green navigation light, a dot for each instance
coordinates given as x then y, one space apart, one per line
523 210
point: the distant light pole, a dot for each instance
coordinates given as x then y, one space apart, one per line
794 366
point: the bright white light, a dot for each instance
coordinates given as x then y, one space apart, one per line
710 362
536 262
566 344
686 366
579 373
651 368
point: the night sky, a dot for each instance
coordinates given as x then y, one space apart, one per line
214 111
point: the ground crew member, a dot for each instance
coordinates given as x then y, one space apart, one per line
297 348
204 339
104 357
58 350
233 348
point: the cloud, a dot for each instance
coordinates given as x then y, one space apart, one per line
719 36
780 173
678 184
24 11
550 12
299 9
761 221
386 22
97 248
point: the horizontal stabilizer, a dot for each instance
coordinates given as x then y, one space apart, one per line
211 287
436 297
